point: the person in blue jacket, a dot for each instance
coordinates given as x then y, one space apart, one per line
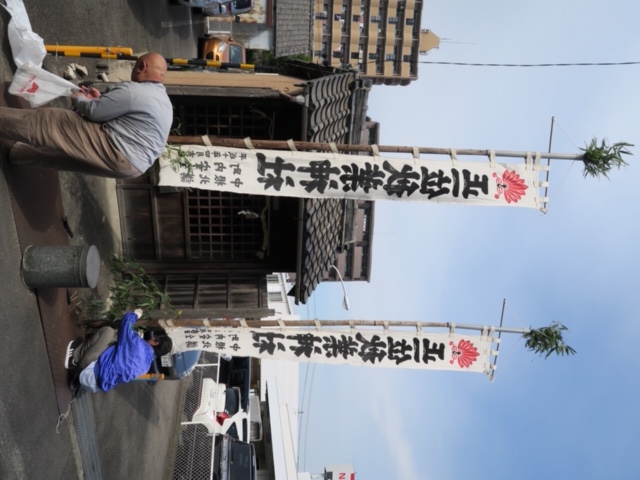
111 357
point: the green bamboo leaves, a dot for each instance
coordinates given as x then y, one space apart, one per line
548 340
132 288
600 159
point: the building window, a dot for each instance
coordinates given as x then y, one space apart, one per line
275 296
390 56
373 56
348 271
365 263
409 21
406 58
355 55
375 18
392 20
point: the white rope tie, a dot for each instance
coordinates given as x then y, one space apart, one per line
166 323
492 158
247 143
454 156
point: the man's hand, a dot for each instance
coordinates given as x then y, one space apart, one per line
90 93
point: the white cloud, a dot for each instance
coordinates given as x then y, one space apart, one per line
390 420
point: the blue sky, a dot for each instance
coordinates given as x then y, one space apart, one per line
570 417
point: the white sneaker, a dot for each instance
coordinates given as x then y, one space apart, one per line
69 362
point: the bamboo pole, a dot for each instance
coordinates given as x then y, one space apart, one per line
189 318
226 323
284 145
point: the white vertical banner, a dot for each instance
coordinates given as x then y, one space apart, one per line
332 175
364 347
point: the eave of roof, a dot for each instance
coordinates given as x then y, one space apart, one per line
336 113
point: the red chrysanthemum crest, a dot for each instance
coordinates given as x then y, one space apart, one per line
465 353
510 185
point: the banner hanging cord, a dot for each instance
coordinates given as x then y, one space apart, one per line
557 191
503 360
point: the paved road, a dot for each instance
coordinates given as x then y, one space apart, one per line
129 429
140 24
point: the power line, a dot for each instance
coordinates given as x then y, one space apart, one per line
511 65
526 65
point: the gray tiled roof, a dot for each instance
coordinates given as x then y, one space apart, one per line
337 112
293 24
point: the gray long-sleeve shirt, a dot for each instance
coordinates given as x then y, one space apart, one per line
139 116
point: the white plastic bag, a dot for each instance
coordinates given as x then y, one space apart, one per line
38 86
31 81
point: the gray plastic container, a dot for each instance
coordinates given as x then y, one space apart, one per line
60 266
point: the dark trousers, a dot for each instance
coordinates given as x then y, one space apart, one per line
89 350
63 140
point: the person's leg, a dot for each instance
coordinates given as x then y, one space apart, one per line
61 139
93 347
26 155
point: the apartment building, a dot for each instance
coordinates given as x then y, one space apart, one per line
382 39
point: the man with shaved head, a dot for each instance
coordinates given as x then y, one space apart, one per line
118 134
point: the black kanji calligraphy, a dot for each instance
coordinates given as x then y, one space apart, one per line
469 186
320 173
274 177
344 346
186 177
429 352
306 344
433 183
368 177
371 350
399 183
266 341
399 351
